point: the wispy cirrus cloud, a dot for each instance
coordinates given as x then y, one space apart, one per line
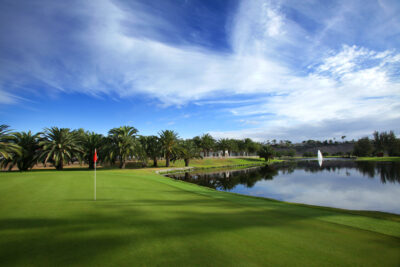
297 63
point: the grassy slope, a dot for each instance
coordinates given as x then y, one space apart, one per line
379 158
213 162
140 218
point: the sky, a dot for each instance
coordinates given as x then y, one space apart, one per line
279 69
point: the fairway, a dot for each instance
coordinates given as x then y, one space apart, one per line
49 218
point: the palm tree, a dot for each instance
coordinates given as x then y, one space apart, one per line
109 151
241 146
29 150
251 146
232 146
224 145
207 143
60 146
123 142
168 139
153 147
141 151
7 147
187 150
266 152
90 142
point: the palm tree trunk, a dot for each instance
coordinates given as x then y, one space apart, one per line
167 159
60 165
186 162
155 161
122 163
91 164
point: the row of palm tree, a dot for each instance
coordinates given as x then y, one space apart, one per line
60 146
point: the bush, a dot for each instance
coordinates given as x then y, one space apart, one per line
363 147
287 153
308 154
266 152
394 150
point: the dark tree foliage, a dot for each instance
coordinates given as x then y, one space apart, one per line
60 146
363 147
122 144
8 148
386 143
153 147
266 152
169 141
186 150
90 142
224 145
207 144
29 150
309 154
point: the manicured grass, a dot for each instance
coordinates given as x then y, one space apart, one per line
378 158
48 218
202 163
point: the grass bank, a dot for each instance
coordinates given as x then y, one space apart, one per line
214 162
378 158
48 218
201 163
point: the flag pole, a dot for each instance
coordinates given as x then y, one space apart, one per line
95 163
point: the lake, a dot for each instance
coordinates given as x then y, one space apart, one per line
339 183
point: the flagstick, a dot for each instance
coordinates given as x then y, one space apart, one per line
95 180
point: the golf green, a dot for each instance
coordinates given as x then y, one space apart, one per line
49 218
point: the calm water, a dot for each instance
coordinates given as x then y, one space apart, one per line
338 183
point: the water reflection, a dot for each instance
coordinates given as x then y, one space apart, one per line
338 183
228 179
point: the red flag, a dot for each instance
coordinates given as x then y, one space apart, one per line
95 155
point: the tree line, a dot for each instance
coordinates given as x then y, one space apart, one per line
382 143
60 146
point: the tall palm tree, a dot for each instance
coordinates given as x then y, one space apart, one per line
123 142
7 147
241 146
109 151
207 143
29 150
60 146
187 150
223 144
141 148
250 146
169 140
90 142
153 147
232 146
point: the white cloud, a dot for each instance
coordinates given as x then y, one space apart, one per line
7 98
274 22
123 53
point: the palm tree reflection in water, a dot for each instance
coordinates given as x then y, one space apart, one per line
228 179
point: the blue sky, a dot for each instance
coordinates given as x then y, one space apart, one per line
261 69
